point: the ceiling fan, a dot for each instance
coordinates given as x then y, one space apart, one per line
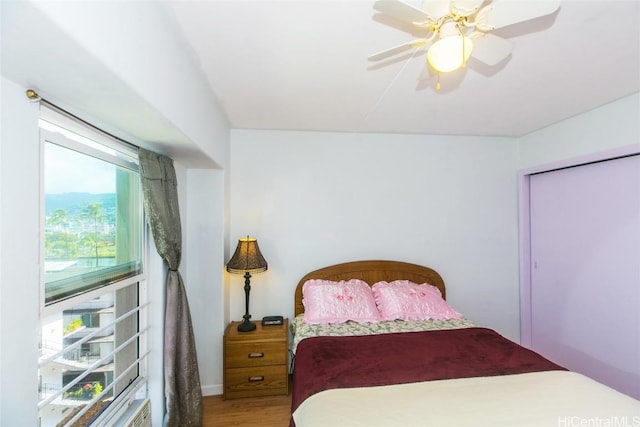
460 29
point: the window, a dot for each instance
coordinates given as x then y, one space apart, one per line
93 219
93 310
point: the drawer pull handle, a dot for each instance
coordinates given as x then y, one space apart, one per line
256 379
255 355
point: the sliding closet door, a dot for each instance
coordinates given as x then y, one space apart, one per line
585 270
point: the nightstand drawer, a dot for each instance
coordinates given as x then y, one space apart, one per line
243 355
256 381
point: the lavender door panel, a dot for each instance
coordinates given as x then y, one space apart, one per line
585 270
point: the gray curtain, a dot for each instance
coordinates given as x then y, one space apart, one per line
183 395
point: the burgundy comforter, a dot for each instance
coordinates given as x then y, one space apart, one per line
323 363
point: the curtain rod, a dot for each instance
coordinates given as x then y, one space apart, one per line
34 97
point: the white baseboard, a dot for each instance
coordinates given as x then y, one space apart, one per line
212 390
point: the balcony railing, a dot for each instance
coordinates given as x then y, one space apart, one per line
80 356
47 389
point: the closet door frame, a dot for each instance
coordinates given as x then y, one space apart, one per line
525 224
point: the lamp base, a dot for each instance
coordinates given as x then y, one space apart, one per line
246 326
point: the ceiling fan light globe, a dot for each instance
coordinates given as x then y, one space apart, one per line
450 53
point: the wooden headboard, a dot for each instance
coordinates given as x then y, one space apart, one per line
371 272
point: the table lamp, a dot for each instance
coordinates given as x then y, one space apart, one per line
247 259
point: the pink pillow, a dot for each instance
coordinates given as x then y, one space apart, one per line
336 302
405 300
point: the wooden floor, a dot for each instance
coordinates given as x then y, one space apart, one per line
268 411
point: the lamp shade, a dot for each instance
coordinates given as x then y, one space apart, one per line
247 258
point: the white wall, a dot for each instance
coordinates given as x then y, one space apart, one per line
125 65
313 199
19 265
606 128
204 213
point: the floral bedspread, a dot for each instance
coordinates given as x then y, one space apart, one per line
302 330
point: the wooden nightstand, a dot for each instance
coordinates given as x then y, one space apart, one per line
256 362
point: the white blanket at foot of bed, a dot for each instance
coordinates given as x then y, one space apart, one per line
551 398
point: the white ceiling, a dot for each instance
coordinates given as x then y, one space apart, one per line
302 65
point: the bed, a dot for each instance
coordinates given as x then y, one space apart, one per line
443 371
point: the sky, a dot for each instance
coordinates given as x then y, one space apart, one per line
66 171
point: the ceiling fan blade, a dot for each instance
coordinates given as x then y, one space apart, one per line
397 49
436 8
401 11
502 13
465 7
489 48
